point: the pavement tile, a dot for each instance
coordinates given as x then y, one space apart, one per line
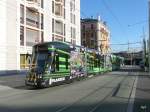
142 96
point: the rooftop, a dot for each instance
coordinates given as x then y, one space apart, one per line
86 20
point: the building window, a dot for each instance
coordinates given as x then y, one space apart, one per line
84 35
73 32
53 6
25 60
64 39
58 38
58 0
32 37
32 18
22 14
53 38
83 27
73 18
92 43
64 2
53 25
42 3
42 37
58 9
72 6
92 35
59 27
92 26
84 43
22 61
42 21
21 35
64 13
73 42
64 29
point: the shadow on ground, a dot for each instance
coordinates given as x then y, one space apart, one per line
104 107
142 106
18 81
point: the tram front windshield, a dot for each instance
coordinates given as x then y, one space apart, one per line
40 58
38 61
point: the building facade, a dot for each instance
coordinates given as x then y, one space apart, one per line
24 23
95 34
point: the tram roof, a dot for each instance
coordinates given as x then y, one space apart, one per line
65 46
56 44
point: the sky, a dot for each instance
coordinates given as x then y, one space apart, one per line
126 19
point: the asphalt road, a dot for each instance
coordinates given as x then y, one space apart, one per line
142 96
110 92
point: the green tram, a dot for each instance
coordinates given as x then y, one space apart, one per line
54 62
116 61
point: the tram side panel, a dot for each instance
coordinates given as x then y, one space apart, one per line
77 64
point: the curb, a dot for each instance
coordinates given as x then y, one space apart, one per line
9 73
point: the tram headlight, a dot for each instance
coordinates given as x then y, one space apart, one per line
39 76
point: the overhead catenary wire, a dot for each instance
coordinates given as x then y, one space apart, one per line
128 43
137 23
114 16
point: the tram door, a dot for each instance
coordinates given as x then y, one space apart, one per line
55 63
60 62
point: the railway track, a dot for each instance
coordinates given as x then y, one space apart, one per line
93 99
31 90
99 90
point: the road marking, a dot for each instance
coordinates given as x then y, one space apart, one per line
4 87
132 97
85 96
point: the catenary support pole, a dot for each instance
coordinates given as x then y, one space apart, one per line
149 33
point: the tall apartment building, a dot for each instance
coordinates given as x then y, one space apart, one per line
95 34
24 23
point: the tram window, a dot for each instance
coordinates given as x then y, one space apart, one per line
53 66
95 63
66 62
99 63
48 61
92 63
57 62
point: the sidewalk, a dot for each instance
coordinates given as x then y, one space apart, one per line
15 72
142 96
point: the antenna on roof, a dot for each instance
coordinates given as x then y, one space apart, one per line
99 18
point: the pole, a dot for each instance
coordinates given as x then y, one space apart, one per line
128 47
144 50
130 53
149 35
131 58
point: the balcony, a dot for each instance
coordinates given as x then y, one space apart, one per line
32 23
33 4
59 1
59 32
